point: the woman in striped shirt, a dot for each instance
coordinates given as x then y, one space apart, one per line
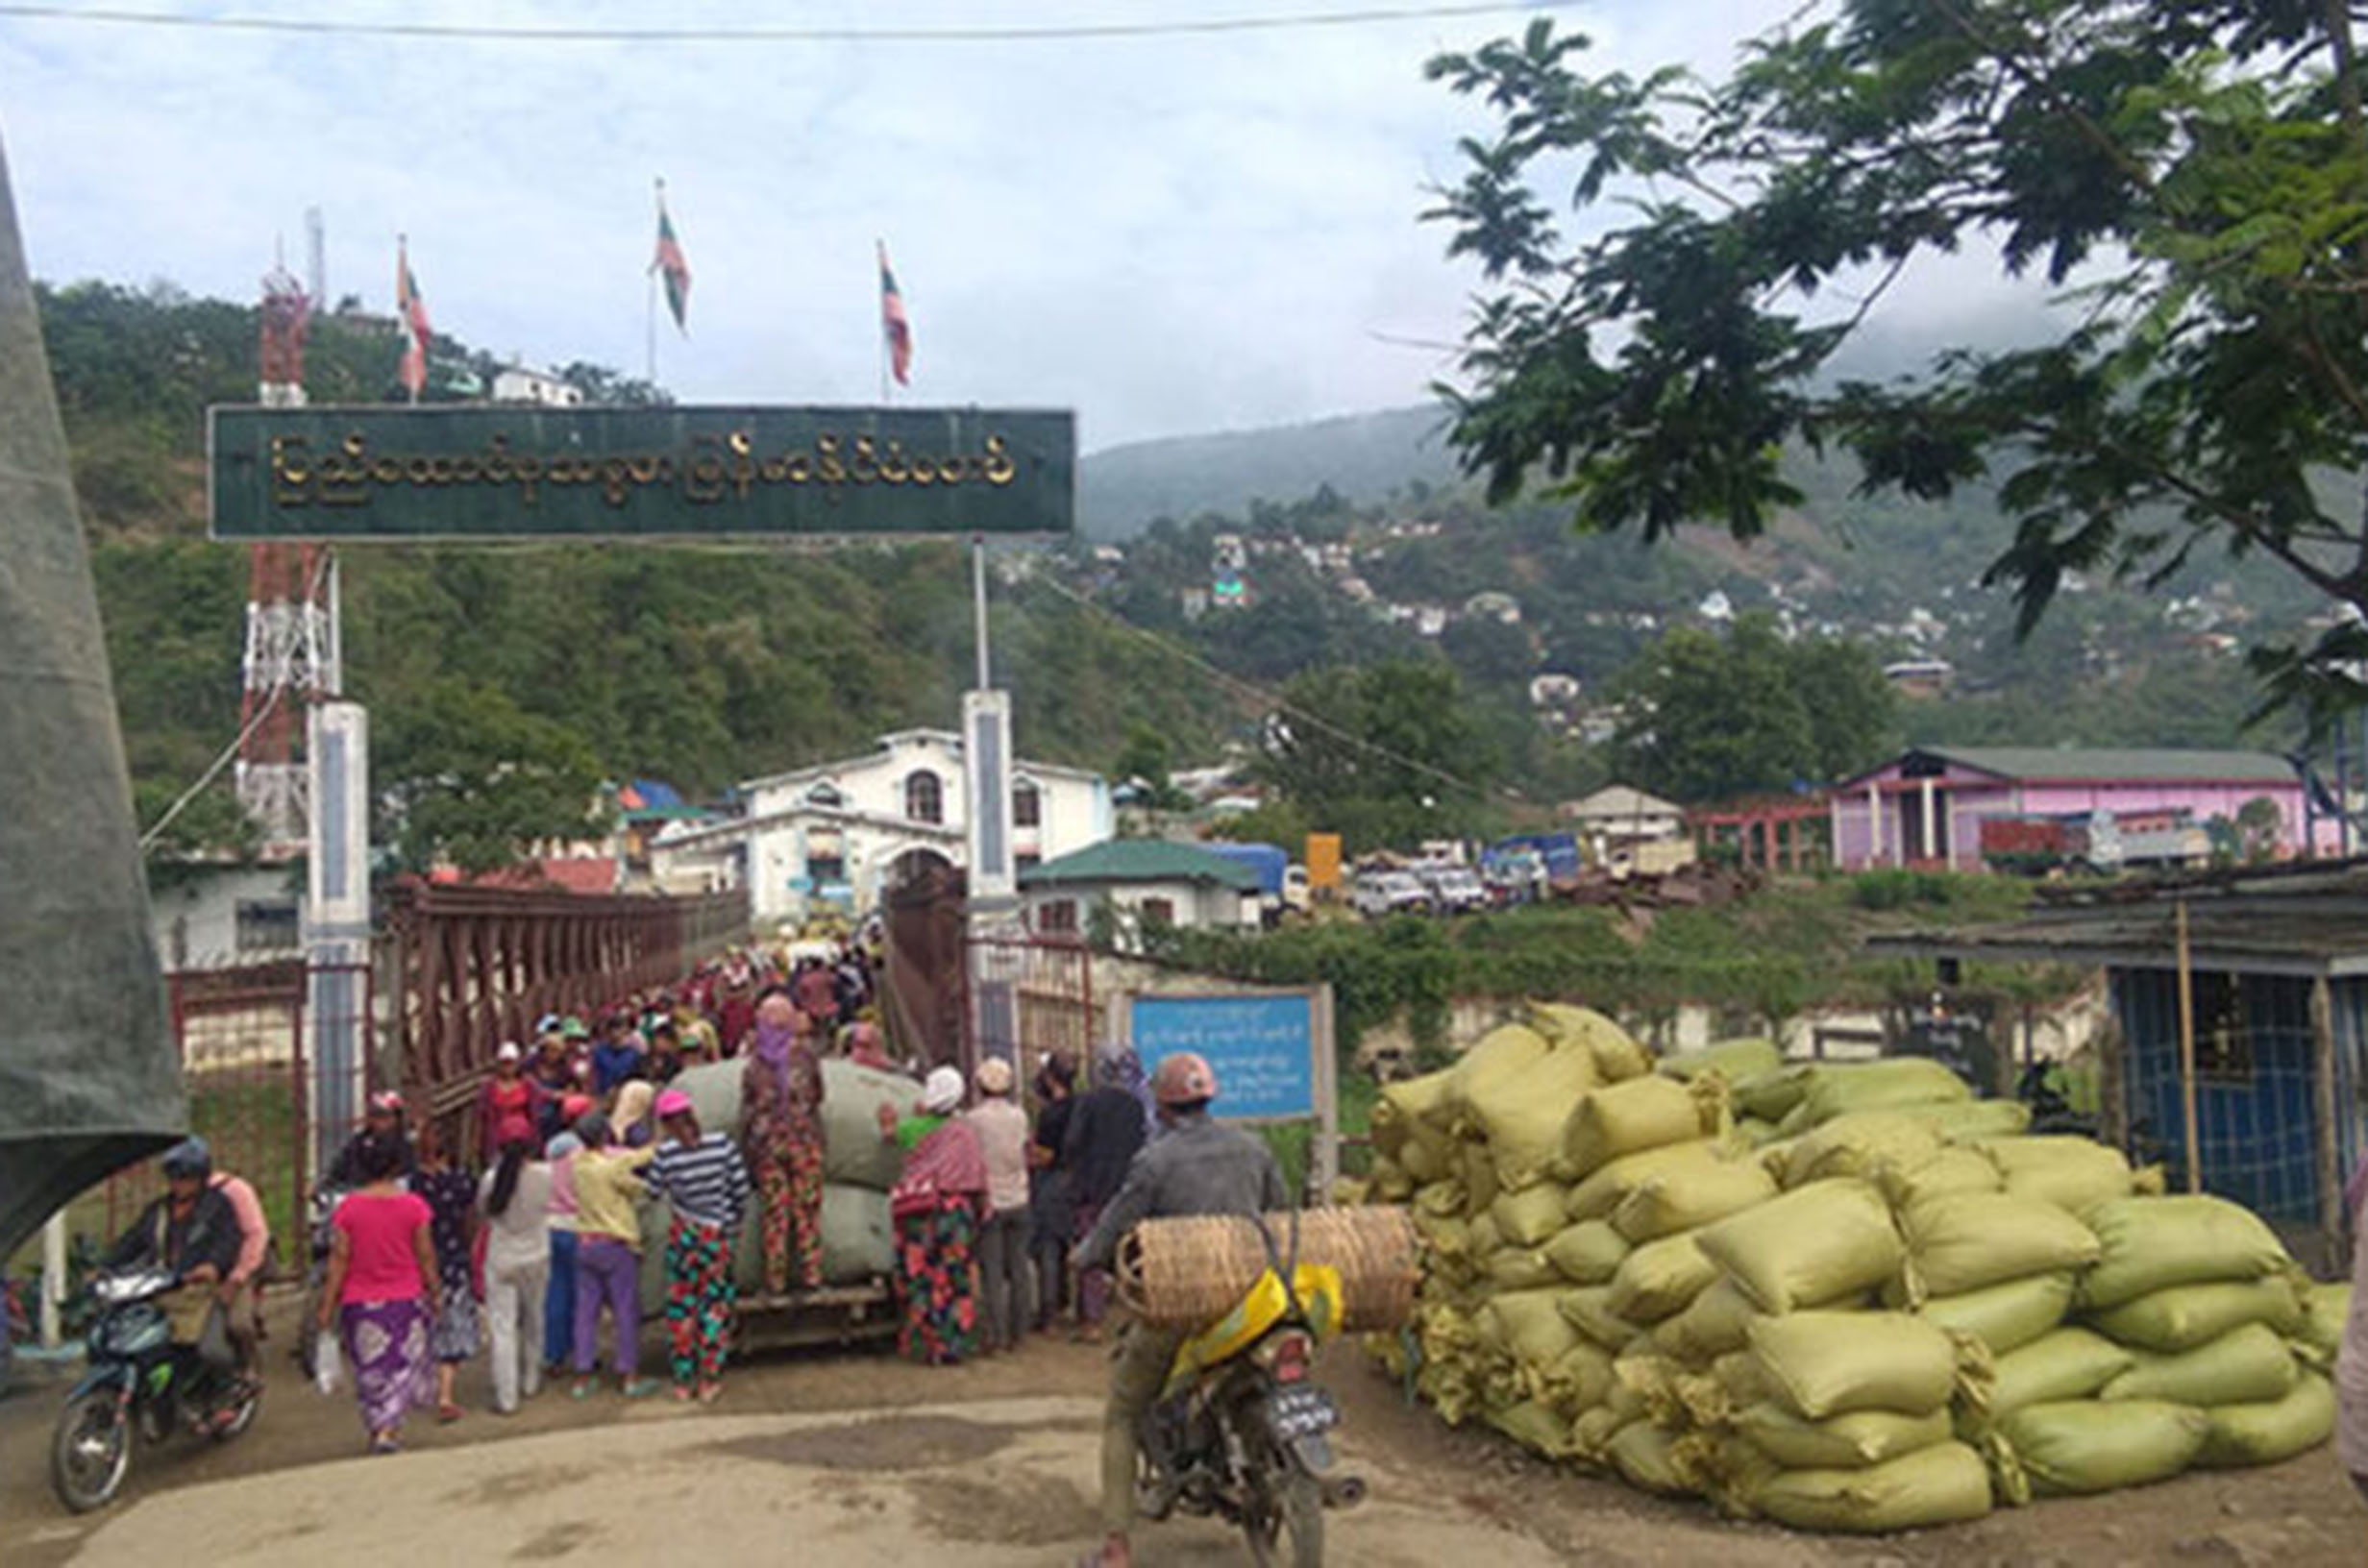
706 1183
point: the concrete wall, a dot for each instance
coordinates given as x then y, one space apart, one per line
196 920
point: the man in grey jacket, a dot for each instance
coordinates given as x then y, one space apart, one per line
1193 1167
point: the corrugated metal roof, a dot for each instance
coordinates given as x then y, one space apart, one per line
1142 860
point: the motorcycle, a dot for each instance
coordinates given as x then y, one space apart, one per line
140 1383
1241 1429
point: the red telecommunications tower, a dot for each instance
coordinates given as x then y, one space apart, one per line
291 656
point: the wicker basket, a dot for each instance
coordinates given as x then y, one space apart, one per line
1187 1273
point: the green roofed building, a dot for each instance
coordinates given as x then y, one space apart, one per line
1145 883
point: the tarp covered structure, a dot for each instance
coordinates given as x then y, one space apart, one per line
88 1081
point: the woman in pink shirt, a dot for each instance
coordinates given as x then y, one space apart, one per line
381 1278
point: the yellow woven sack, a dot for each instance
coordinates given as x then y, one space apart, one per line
1815 1243
1521 1115
1660 1278
1944 1485
2154 1243
1840 1442
1617 1056
1688 1199
1960 1241
1819 1365
1601 1195
1626 1120
2188 1315
2250 1365
1587 1253
1494 1062
2074 1173
1529 1217
2079 1446
1733 1059
2069 1364
2267 1434
2006 1317
1837 1088
1860 1144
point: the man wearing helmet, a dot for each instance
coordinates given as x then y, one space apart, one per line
1193 1167
191 1232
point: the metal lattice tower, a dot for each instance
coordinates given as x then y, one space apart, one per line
291 656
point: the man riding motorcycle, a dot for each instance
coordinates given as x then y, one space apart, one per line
193 1232
1193 1167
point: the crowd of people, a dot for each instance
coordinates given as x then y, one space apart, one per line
530 1247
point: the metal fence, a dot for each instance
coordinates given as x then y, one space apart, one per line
1029 999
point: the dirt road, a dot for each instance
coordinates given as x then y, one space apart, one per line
855 1460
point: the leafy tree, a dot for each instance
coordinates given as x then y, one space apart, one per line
2194 171
1711 716
471 779
1146 761
1384 754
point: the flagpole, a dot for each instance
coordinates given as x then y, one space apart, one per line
880 254
403 272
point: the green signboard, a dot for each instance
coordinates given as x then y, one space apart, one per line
508 471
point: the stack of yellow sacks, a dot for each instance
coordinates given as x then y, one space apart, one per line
1845 1297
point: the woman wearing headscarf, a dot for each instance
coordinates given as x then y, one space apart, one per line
381 1278
560 1295
736 1000
451 1195
517 1207
1052 1228
629 1126
706 1184
1105 1132
936 1204
781 1135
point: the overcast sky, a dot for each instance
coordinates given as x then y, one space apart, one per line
1170 235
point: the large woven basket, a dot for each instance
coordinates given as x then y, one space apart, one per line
1187 1273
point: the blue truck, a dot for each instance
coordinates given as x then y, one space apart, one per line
1268 860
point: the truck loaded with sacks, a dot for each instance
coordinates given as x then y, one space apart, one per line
1841 1297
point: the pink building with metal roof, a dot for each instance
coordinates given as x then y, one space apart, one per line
1925 808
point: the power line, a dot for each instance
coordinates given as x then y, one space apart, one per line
755 34
1269 700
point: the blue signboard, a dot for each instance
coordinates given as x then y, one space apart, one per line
1262 1047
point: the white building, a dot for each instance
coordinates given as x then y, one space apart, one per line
1143 882
211 916
839 834
517 384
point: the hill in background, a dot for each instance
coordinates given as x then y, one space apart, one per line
1363 458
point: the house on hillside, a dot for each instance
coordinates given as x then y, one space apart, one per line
520 383
1617 811
838 835
2278 973
1145 882
1927 806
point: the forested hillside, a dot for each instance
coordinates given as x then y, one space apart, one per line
505 683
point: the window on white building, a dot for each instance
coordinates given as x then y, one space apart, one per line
1027 806
266 925
925 797
1057 918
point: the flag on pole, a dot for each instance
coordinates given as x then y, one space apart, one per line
893 324
413 312
670 262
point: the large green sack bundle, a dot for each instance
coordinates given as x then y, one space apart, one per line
2074 1173
1963 1242
2326 1308
1943 1485
1686 1200
1617 1056
1628 1118
1588 1309
1536 1427
1525 1325
1815 1243
1492 1068
1862 1143
2073 1447
2250 1365
2005 1318
2188 1315
1639 1451
2067 1364
1771 1096
854 1153
1530 1218
1587 1253
858 1244
1951 1170
1660 1278
1733 1059
1835 1091
1519 1268
1819 1364
1601 1195
2267 1434
1522 1116
1840 1442
1970 1122
2154 1243
1579 1380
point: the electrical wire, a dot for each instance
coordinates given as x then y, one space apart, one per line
1050 31
1270 701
